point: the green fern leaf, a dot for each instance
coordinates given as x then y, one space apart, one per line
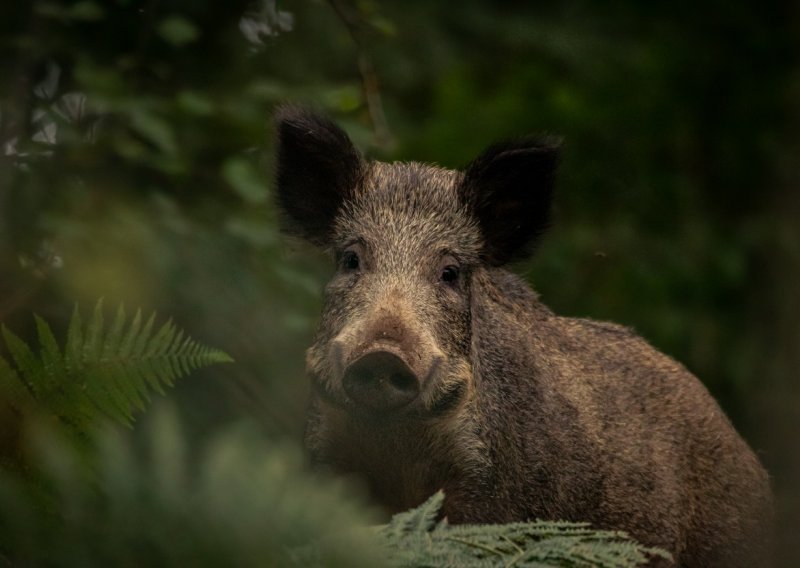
72 353
94 334
142 338
138 379
113 338
414 538
104 370
13 386
25 360
129 338
419 520
132 391
50 352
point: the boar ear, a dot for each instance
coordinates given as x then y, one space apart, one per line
509 188
317 170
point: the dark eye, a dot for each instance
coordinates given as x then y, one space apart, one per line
450 274
350 260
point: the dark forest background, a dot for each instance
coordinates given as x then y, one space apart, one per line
136 155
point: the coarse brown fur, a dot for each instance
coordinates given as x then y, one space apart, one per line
515 412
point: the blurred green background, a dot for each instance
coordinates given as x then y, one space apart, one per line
136 156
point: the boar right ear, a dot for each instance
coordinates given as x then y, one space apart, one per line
317 169
509 189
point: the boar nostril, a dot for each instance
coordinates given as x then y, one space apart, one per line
381 380
403 382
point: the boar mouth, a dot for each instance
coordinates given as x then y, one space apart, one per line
381 380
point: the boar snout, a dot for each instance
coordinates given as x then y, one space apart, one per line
384 363
381 380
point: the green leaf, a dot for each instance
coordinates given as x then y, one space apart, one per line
254 231
85 10
414 538
244 180
421 519
51 354
195 103
113 339
155 129
94 334
104 371
177 30
72 353
12 387
26 362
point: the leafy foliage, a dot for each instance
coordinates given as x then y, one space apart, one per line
134 152
70 507
241 502
103 370
235 503
417 539
98 500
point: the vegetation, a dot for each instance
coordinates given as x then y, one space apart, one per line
101 371
157 503
90 499
416 538
135 159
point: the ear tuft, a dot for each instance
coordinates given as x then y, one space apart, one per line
318 168
509 189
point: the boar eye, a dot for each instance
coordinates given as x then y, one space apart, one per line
350 260
450 274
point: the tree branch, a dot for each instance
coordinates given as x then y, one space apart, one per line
369 79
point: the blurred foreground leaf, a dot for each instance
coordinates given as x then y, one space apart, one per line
237 503
240 502
177 30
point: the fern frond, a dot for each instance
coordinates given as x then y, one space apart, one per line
414 538
105 370
13 386
417 521
23 357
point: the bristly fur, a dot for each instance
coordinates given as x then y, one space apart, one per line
518 413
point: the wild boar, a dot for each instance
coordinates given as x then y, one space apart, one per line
435 367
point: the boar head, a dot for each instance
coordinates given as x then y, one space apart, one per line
410 241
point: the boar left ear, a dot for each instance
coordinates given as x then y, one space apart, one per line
318 168
509 189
